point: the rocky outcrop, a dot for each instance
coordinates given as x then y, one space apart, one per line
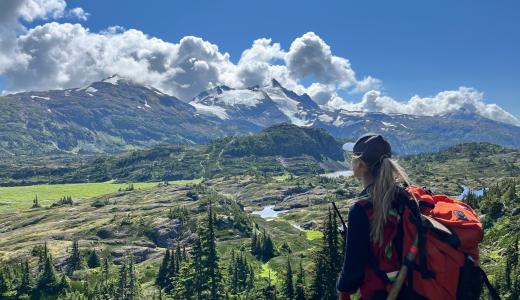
163 233
139 253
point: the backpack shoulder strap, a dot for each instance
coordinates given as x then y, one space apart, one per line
492 292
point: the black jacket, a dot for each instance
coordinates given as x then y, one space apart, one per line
357 250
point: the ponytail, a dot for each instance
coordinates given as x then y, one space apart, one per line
387 173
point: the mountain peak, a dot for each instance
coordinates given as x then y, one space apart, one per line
114 79
275 83
221 88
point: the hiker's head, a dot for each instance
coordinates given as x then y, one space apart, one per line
368 154
372 164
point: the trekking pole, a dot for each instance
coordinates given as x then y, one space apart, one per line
340 217
401 277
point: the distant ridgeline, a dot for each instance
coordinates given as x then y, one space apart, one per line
472 164
280 149
116 115
277 150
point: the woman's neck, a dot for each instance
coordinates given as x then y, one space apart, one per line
366 181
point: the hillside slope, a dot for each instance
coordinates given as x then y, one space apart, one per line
279 149
106 117
473 164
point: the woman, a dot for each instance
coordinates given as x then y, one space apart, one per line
373 239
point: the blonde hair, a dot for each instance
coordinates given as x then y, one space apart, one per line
387 174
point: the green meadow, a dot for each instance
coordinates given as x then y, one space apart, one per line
20 197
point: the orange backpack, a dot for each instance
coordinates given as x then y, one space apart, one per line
447 233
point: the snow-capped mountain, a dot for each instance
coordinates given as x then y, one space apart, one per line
256 106
415 134
111 115
116 114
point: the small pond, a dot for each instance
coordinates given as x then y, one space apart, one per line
337 174
268 212
467 189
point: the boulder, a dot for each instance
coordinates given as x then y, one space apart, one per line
105 232
140 254
163 234
308 225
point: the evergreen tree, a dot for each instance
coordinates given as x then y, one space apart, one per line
74 261
48 281
243 272
327 262
26 282
266 247
254 243
318 284
259 247
184 287
210 257
251 281
300 285
4 283
232 273
178 257
106 269
197 267
64 284
133 284
107 287
163 270
171 272
288 287
93 260
122 283
240 274
333 245
42 257
36 204
184 254
128 287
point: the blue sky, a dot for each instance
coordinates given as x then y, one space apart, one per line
425 48
414 47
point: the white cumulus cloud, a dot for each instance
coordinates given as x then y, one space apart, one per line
444 102
12 12
63 55
79 13
310 56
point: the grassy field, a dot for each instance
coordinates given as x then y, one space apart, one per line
20 197
313 234
268 272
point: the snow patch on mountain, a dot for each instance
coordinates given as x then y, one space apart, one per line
325 118
112 79
388 124
338 122
288 106
91 90
159 92
217 111
240 97
40 97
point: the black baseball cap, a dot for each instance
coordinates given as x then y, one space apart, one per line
371 148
